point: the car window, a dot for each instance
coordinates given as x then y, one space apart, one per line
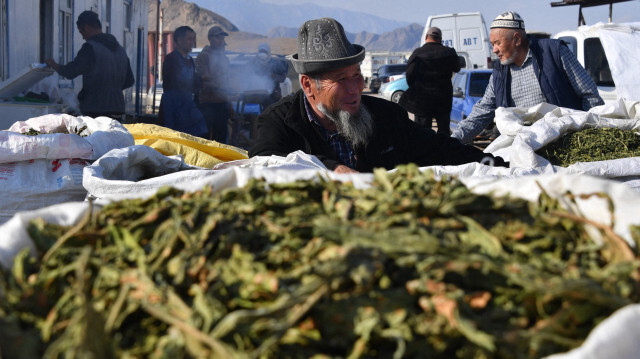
478 83
463 62
459 81
398 68
392 69
596 63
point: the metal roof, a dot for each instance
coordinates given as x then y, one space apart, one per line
588 3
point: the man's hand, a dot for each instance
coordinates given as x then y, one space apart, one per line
344 169
52 63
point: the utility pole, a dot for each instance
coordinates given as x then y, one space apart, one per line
157 57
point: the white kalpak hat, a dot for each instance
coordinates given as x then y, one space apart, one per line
508 20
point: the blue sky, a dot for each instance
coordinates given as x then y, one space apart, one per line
537 14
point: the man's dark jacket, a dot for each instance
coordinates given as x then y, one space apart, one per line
285 127
106 71
429 71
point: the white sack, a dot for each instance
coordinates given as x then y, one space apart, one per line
527 130
616 337
65 96
28 185
139 171
14 236
103 134
39 171
626 200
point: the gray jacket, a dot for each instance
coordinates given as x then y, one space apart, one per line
105 70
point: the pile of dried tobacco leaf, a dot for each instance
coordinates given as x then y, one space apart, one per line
411 268
592 144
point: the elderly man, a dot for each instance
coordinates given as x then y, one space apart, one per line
430 92
529 72
329 118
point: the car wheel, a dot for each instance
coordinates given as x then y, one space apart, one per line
395 97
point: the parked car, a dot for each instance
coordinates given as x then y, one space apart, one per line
383 73
393 90
587 47
468 88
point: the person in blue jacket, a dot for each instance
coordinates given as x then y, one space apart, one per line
178 111
529 72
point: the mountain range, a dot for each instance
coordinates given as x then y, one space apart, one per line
280 34
259 17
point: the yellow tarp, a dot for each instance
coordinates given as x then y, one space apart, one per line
196 151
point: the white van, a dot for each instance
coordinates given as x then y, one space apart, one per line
466 33
585 43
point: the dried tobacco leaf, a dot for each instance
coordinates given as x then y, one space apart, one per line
412 267
592 144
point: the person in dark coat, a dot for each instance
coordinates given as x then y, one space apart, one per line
104 66
330 119
178 111
429 71
214 70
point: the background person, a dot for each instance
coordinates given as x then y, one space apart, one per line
330 119
429 71
529 71
178 111
212 67
104 66
271 72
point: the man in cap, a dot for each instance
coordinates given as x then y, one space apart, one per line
212 67
270 72
528 72
104 66
330 119
430 93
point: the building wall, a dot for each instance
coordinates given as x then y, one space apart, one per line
23 34
23 42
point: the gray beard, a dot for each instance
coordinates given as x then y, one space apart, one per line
508 61
354 128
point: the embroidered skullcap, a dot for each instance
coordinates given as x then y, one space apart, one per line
508 20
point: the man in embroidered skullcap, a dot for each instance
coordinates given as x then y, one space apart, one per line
529 71
330 119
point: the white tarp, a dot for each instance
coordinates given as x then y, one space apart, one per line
621 43
526 130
